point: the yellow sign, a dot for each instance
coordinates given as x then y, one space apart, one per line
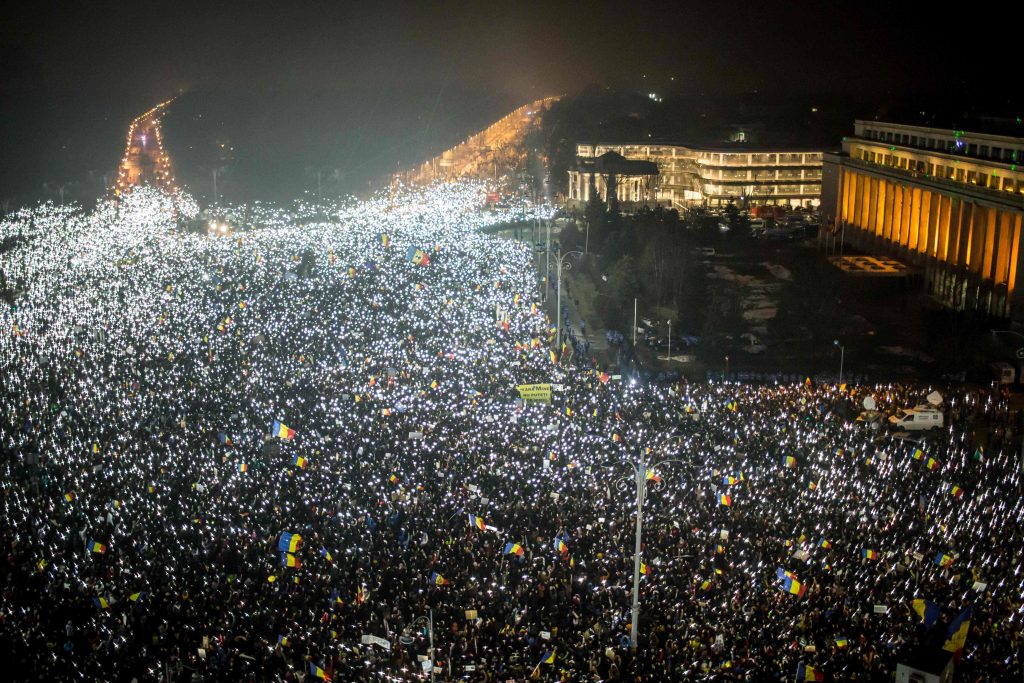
534 392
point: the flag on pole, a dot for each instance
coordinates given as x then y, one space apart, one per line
514 549
956 636
97 547
282 431
476 521
288 542
806 672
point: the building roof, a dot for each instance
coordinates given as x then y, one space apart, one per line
719 146
613 162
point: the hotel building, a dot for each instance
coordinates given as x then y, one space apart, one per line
947 201
691 176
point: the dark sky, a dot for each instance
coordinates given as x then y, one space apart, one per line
72 73
517 48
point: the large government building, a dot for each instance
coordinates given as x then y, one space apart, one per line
947 201
705 176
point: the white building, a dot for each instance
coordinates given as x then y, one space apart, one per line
716 176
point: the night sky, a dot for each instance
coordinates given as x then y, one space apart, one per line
71 74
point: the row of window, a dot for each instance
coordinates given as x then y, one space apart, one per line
952 145
954 173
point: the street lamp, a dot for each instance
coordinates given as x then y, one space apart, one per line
558 301
429 623
842 354
726 376
640 470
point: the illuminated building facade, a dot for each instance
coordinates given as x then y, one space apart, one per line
947 201
716 176
145 160
633 182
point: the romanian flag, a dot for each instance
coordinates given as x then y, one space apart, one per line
869 554
788 461
942 559
725 499
101 603
243 467
283 641
69 496
932 464
548 658
316 671
644 569
478 522
805 672
793 587
300 462
842 643
115 504
95 447
289 560
224 439
554 358
823 543
514 549
812 486
417 257
439 580
135 597
927 610
955 491
361 595
326 554
281 431
729 480
288 542
956 636
560 546
731 405
97 547
653 476
384 239
568 411
918 454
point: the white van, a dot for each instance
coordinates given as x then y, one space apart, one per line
917 418
1003 373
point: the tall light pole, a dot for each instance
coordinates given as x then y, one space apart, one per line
640 470
842 354
547 262
558 301
429 623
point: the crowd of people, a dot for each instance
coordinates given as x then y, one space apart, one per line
297 451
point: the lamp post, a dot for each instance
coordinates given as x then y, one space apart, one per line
558 301
640 470
547 261
429 623
726 376
842 354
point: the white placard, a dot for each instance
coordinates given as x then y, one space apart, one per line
881 609
546 635
375 640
